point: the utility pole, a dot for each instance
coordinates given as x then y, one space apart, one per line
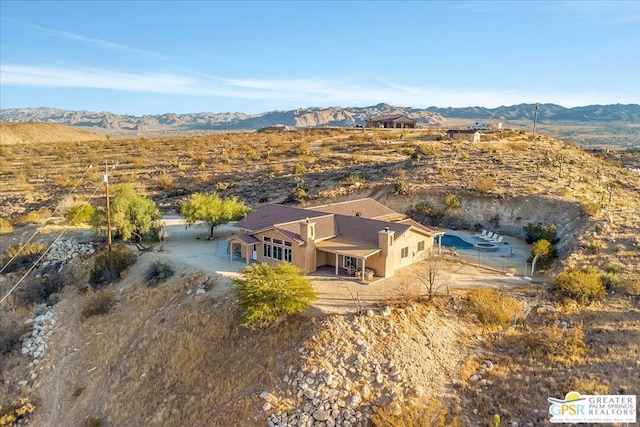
106 181
535 119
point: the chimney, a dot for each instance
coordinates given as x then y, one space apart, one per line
307 230
385 240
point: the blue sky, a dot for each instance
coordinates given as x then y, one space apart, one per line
153 57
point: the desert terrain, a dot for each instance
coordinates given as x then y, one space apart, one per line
175 353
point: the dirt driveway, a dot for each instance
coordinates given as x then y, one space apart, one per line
189 247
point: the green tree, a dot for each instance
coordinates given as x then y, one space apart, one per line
541 249
212 210
132 214
268 292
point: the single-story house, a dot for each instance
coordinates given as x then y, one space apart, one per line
471 135
361 236
392 121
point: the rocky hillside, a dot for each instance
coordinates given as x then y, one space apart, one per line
315 117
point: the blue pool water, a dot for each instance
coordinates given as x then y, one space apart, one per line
454 241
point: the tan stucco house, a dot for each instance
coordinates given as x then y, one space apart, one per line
360 237
471 135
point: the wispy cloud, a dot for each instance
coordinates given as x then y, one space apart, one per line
300 92
598 12
97 42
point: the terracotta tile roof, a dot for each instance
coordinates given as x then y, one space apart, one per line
367 208
325 227
269 215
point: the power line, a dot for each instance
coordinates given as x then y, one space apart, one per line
24 245
44 253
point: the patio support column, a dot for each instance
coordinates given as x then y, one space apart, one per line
230 251
440 244
337 265
363 262
247 248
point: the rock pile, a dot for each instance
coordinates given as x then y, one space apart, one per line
369 362
63 251
34 343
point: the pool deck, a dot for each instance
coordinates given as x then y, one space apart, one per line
511 253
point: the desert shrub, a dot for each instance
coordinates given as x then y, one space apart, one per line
6 226
109 266
492 307
415 413
157 272
268 293
543 252
276 168
535 232
354 179
400 187
221 186
303 148
591 208
92 422
452 202
629 286
40 289
555 344
17 412
25 257
588 385
584 286
613 268
33 217
299 169
610 281
98 304
80 214
10 333
484 184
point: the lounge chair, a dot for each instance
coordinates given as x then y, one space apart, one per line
498 240
481 235
489 236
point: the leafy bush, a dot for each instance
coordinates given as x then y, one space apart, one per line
543 252
613 268
267 293
492 307
80 214
584 286
109 266
610 281
6 226
17 412
591 209
299 169
157 272
452 202
222 186
33 217
424 212
629 286
535 232
354 179
98 304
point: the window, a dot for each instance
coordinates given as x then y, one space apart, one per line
421 246
349 261
277 249
405 252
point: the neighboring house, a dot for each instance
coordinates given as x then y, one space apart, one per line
391 121
360 236
471 135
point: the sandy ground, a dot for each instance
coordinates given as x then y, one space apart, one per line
189 246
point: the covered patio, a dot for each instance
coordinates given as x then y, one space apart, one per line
243 246
349 250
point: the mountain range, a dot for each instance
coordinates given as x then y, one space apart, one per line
315 117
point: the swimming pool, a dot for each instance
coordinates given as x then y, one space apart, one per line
450 241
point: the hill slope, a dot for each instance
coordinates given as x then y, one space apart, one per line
28 133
